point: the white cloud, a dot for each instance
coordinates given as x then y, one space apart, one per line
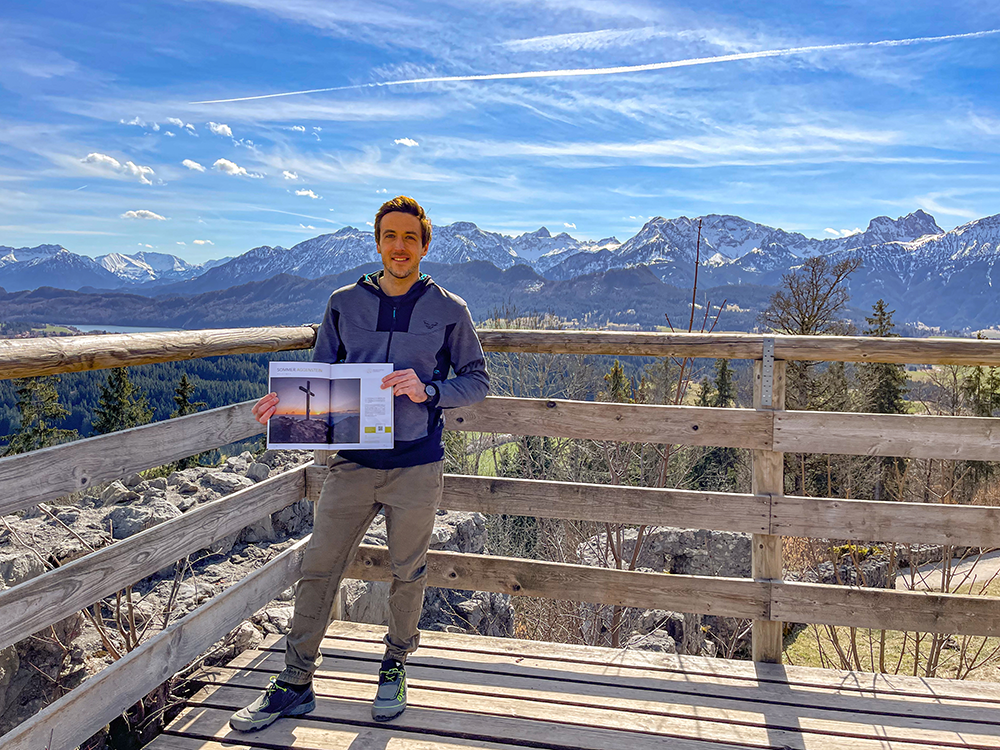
569 226
834 232
370 224
128 168
182 125
317 129
298 128
182 243
231 168
142 213
289 175
168 134
307 226
409 142
204 242
307 194
850 232
381 192
220 129
140 123
191 164
144 245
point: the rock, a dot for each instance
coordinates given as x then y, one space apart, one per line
459 532
226 483
225 545
287 595
68 515
278 619
258 472
17 567
160 483
183 503
236 464
116 493
127 520
9 663
133 480
246 637
270 458
262 531
658 640
187 488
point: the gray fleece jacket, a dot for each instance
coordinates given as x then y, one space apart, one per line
427 329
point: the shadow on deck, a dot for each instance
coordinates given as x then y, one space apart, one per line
467 691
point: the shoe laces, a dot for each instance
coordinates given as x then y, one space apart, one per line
391 674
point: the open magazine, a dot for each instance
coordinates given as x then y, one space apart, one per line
328 407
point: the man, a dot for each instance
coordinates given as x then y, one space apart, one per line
397 315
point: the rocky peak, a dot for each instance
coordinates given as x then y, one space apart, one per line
904 229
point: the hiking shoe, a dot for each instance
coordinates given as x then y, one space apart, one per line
390 700
276 701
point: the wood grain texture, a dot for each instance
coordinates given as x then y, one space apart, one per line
957 438
871 521
83 711
48 598
732 597
21 358
925 612
685 425
747 346
39 476
767 479
593 502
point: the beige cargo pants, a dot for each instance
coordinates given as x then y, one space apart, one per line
351 497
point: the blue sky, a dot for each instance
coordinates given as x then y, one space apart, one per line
102 150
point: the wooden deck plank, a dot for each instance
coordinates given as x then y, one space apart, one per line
648 720
934 688
471 691
815 702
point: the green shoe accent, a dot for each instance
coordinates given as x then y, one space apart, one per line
390 699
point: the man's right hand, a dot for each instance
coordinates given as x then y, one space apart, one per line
264 409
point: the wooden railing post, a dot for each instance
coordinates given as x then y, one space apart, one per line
768 478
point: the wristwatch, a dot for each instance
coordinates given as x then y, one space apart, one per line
431 390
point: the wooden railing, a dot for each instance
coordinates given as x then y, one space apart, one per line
766 512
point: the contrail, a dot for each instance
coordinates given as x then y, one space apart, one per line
623 68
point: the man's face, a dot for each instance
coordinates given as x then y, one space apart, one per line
400 245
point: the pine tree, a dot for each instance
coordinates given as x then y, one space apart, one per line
121 405
883 391
725 390
185 406
39 409
182 398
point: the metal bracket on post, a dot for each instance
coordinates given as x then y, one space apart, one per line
767 374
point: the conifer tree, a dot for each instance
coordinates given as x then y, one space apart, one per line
883 391
182 398
121 405
39 409
185 406
725 391
716 468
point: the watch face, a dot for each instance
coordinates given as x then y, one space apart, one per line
431 390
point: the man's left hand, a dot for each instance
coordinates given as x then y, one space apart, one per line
406 383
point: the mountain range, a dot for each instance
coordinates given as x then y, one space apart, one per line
927 274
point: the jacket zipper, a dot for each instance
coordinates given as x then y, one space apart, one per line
392 327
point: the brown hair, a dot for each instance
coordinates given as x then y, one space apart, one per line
406 205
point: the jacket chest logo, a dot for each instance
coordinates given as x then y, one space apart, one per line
430 325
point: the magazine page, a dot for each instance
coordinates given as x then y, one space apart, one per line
302 419
329 407
360 411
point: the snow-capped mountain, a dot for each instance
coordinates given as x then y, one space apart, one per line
50 265
464 241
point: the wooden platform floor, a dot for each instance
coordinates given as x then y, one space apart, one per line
467 692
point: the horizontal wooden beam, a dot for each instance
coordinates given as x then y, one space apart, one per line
22 358
779 601
746 346
85 710
48 598
592 502
49 473
923 612
48 356
639 423
873 521
783 515
910 436
730 597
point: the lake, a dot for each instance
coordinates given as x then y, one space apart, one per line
88 327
